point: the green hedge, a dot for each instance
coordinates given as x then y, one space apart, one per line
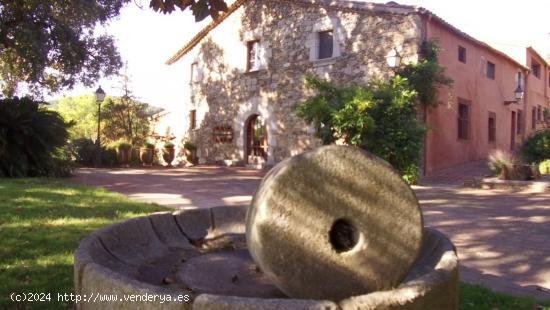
537 147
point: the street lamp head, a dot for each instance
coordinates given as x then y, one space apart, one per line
99 94
518 93
393 58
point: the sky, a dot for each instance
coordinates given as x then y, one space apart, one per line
146 39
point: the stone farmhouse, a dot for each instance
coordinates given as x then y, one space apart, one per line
247 71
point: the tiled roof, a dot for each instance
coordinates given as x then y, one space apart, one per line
344 5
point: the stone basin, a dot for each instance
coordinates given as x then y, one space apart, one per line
198 257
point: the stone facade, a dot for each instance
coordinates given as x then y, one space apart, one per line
225 93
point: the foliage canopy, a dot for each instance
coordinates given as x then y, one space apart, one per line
379 117
200 8
537 147
53 44
427 75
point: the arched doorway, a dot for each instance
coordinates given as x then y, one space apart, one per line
256 140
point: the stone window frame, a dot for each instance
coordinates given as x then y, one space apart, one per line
324 25
196 73
264 50
253 51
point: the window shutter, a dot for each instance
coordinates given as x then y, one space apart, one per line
483 66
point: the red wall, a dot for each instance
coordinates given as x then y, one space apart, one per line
443 147
538 89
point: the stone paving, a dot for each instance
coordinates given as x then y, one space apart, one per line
502 237
179 188
456 175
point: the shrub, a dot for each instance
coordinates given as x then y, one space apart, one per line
380 117
148 145
499 160
108 157
82 151
123 145
508 167
189 146
537 147
168 145
31 139
544 167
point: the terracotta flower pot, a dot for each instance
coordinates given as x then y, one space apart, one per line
146 156
168 154
124 156
191 156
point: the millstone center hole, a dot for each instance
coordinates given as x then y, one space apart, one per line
343 236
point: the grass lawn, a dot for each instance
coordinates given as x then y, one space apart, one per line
41 224
44 219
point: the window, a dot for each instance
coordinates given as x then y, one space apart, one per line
535 68
326 40
490 70
194 72
193 119
253 55
519 80
519 122
539 113
492 127
534 118
461 54
463 119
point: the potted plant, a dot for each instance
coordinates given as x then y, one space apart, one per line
168 153
190 152
124 153
146 154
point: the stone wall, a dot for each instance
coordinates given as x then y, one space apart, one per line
225 94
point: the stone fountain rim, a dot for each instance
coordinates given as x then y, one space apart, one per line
85 265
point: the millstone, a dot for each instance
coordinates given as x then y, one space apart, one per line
333 223
228 273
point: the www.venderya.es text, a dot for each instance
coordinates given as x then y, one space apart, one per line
98 297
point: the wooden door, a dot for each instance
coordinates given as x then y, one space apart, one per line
513 133
256 139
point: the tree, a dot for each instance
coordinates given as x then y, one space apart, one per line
53 44
380 117
200 8
82 111
427 75
126 119
31 138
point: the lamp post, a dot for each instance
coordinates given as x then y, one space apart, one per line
518 94
99 96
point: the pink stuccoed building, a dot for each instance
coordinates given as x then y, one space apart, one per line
480 112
